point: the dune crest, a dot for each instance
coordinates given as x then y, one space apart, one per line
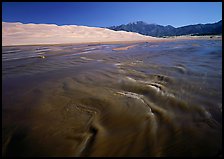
31 34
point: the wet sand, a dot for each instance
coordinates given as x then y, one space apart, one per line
154 99
124 48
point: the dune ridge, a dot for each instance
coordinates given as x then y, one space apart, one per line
31 34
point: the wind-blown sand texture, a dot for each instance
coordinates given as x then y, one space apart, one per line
30 34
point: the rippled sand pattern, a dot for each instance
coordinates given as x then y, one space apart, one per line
154 99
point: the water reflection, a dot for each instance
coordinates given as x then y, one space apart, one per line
154 99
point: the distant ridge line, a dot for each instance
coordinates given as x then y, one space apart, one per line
160 31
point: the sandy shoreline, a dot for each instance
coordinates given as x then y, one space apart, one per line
123 48
131 42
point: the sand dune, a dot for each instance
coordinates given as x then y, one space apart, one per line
29 34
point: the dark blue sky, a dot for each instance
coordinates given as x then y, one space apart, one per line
103 14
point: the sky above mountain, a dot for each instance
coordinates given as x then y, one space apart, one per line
104 14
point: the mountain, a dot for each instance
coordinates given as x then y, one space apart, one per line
30 34
159 30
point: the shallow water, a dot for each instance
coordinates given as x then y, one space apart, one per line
154 99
